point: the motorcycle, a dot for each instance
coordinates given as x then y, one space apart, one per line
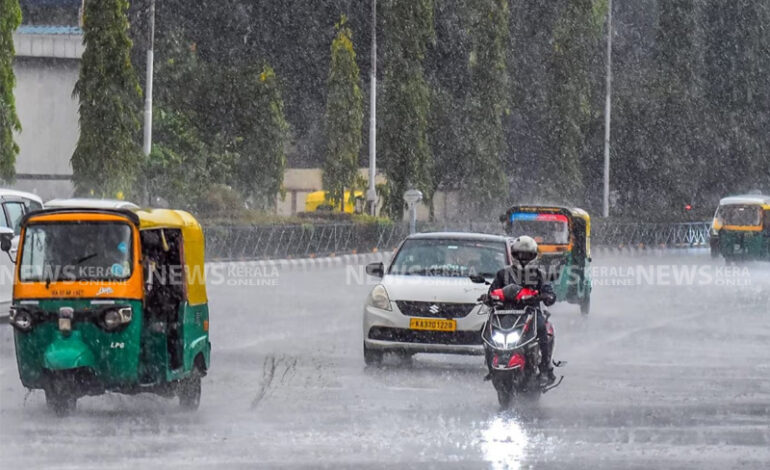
511 346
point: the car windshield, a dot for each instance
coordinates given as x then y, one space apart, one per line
449 258
76 251
740 215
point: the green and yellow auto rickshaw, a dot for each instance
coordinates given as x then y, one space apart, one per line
563 236
110 300
741 228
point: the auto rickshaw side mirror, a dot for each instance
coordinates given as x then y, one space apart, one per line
375 269
478 279
6 239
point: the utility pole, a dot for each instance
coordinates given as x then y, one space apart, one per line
607 115
148 87
371 193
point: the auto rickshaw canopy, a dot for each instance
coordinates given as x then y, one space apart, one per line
194 245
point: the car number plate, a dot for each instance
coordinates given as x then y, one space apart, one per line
432 324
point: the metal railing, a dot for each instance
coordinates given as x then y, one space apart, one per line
299 241
663 235
252 242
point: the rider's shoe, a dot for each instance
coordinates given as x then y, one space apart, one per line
547 377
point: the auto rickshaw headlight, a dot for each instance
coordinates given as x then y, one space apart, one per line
114 318
21 319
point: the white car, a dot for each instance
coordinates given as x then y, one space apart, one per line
14 205
426 302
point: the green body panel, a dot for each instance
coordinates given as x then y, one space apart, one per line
574 282
68 352
733 243
196 340
112 356
137 354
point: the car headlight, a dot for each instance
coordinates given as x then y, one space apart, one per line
378 298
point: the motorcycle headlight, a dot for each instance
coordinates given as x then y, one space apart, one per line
512 338
498 338
378 298
21 320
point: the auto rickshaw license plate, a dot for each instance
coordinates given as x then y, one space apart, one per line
432 324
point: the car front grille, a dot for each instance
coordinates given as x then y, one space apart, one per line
401 335
434 309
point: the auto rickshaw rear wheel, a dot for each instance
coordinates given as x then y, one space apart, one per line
189 389
585 305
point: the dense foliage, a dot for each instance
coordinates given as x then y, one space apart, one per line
344 117
108 157
457 77
405 150
10 18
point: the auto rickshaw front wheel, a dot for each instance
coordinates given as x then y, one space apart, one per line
60 398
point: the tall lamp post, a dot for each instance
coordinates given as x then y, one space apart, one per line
607 114
148 87
371 193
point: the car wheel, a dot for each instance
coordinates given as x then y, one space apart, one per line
372 357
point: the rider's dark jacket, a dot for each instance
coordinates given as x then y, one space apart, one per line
530 276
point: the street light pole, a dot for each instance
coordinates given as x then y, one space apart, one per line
148 87
371 193
607 115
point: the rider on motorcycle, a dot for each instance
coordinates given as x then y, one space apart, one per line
523 251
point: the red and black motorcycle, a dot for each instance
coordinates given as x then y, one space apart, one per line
511 343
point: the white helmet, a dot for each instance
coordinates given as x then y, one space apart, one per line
524 249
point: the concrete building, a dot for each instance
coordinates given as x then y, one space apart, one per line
46 68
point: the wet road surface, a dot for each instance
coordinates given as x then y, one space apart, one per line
666 372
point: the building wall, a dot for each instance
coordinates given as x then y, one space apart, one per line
46 69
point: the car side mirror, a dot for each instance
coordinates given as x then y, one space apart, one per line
375 269
6 239
478 279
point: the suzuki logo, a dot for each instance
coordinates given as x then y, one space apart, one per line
434 309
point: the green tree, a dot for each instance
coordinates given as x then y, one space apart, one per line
406 153
107 157
676 151
344 117
10 19
571 109
260 135
736 62
487 103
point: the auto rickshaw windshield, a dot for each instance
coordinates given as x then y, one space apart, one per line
546 229
74 251
740 215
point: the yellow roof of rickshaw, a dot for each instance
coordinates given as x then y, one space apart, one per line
165 218
746 200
